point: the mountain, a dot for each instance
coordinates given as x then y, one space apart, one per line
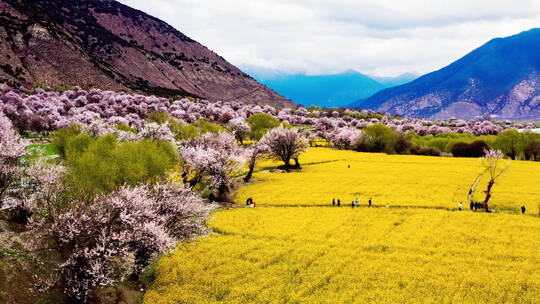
105 44
395 81
322 90
500 78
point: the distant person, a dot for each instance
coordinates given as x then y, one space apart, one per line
459 206
472 205
369 202
523 209
349 166
333 202
387 205
357 202
338 203
254 204
352 204
249 201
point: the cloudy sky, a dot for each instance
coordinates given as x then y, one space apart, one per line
378 37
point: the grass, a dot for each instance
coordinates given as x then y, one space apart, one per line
35 150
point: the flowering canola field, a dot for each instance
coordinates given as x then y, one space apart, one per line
404 180
361 255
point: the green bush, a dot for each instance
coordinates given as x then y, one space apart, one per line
260 123
158 117
377 138
61 137
102 165
182 130
126 128
205 126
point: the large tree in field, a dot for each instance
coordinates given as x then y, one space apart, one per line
285 144
494 169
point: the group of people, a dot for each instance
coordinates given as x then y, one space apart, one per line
479 206
355 203
250 202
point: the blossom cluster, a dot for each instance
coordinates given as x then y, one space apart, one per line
49 110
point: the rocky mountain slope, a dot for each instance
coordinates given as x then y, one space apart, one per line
500 78
105 44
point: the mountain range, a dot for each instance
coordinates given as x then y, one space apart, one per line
334 90
105 44
500 79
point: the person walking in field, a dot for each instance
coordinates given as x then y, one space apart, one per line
472 205
459 206
333 202
369 202
352 204
523 209
249 201
338 203
357 202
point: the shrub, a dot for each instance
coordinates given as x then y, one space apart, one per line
510 142
532 151
474 149
205 126
260 123
377 138
102 165
60 137
181 130
402 145
428 151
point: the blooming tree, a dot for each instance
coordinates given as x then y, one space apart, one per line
211 157
253 153
240 129
345 137
11 148
117 234
285 144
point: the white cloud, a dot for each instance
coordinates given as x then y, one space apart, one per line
382 37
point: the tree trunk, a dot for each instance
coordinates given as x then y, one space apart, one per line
223 193
297 164
471 191
488 191
287 162
250 172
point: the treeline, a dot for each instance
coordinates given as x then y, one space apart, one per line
512 143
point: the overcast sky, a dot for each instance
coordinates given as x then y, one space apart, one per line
378 37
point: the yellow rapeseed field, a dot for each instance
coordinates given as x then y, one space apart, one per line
360 255
403 180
